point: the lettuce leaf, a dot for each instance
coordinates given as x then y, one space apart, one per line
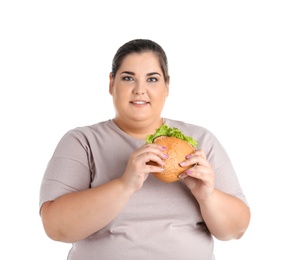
170 131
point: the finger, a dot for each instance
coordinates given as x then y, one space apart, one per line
153 146
199 172
183 175
199 152
152 169
153 159
197 158
153 150
149 156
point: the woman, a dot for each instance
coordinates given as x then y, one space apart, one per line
98 194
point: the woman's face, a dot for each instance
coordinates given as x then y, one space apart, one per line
139 89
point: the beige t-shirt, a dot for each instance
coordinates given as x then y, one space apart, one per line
160 221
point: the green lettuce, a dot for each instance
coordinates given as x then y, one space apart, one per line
170 131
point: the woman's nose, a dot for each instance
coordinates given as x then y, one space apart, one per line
139 89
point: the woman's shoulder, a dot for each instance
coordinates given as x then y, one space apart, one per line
89 131
92 128
186 127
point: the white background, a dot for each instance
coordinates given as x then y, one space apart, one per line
228 63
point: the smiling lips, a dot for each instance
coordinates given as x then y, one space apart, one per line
139 102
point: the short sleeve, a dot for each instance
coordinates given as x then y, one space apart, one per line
68 170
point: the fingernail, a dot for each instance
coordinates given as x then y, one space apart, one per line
188 156
182 175
183 163
166 155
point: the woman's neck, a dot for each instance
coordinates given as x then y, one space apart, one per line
139 129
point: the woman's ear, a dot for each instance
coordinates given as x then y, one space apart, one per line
111 80
167 86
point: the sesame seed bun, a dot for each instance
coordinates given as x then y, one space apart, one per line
177 149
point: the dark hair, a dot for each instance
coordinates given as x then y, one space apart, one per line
139 46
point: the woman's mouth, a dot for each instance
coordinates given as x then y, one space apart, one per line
139 102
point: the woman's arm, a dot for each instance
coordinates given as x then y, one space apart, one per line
226 216
77 215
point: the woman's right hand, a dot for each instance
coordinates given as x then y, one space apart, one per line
137 169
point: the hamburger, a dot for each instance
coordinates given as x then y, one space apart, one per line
178 146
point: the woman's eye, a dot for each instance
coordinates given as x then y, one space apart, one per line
152 79
127 78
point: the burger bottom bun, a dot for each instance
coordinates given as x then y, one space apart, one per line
177 150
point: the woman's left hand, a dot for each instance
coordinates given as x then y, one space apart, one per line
200 177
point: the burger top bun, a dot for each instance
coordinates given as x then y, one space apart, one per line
177 149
